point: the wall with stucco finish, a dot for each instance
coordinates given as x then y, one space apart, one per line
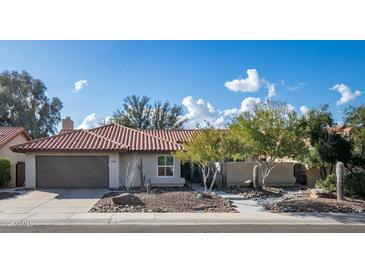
239 172
149 165
5 152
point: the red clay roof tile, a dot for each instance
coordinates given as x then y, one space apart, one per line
111 137
9 133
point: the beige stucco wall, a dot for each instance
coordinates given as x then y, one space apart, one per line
239 172
30 166
14 157
149 170
313 174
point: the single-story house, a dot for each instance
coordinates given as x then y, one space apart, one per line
103 157
100 158
10 136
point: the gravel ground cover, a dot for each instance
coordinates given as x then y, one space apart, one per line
163 201
299 199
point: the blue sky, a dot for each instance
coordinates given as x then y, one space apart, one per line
208 77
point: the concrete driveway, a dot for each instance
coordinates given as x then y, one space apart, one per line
65 201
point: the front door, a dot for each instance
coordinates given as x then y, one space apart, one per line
20 174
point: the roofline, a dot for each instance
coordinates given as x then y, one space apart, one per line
91 150
179 146
13 148
22 131
142 131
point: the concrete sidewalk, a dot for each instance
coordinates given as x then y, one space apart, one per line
180 218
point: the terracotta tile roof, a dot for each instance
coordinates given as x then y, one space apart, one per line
175 135
9 133
342 130
76 140
136 140
111 137
65 131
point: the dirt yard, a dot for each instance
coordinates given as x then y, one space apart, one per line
166 201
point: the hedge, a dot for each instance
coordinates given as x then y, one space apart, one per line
4 172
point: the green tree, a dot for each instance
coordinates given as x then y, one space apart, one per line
24 103
165 116
209 150
355 118
333 148
316 122
137 112
268 135
326 146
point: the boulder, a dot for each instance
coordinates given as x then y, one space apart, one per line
321 193
247 183
123 199
201 195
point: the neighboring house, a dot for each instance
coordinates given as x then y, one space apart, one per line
10 136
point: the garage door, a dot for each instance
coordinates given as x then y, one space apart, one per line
72 171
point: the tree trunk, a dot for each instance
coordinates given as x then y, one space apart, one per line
214 177
204 178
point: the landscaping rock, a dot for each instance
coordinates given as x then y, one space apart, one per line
201 195
166 201
125 199
321 193
205 207
248 183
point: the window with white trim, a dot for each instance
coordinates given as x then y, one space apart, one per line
165 166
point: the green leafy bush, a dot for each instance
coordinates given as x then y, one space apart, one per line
355 185
329 183
4 172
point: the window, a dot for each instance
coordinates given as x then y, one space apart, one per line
165 166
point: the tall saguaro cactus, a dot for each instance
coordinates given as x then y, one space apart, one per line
255 176
340 175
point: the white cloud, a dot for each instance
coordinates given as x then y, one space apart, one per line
200 111
346 94
81 84
304 110
294 87
291 108
93 120
249 84
248 103
270 88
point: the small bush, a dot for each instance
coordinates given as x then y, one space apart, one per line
329 183
4 172
355 185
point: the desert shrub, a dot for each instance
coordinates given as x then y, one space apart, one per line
4 172
329 183
355 185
